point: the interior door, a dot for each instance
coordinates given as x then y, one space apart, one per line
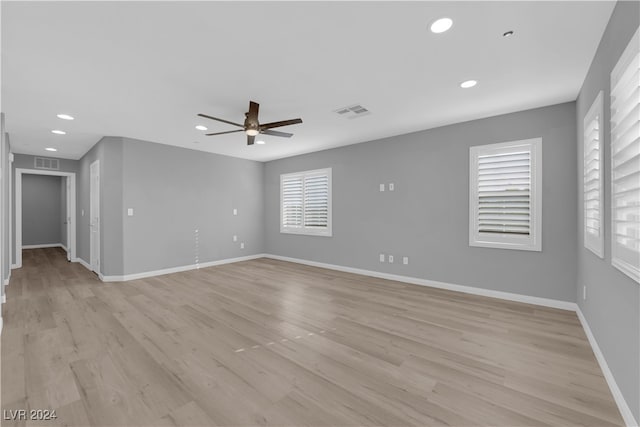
68 216
94 216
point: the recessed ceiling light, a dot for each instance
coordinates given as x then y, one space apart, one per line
200 127
50 149
441 25
65 117
261 142
507 34
58 132
468 84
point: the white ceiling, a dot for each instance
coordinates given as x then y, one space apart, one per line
145 69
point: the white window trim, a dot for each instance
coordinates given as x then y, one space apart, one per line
627 56
594 244
533 242
328 232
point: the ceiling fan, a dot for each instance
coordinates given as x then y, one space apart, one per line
252 127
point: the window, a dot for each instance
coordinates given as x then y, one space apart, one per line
625 162
593 202
505 203
305 202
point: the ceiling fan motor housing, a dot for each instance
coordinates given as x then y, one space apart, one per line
251 126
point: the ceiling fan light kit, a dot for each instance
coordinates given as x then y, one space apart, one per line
252 126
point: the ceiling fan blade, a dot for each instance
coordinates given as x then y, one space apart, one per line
280 123
250 139
253 110
222 133
276 133
221 120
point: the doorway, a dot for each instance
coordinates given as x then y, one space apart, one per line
69 229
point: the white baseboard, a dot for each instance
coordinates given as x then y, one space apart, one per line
178 269
8 279
625 411
48 245
4 298
546 302
64 247
0 325
14 266
82 262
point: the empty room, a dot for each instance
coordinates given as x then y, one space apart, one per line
308 213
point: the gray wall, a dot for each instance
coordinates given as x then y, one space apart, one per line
612 307
109 152
26 161
41 221
175 191
171 189
426 217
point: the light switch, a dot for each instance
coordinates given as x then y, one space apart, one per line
381 257
405 260
235 238
390 259
130 212
242 245
391 186
381 187
235 211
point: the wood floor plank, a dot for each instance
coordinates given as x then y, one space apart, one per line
268 343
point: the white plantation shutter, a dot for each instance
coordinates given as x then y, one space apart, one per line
625 161
503 193
316 201
504 182
292 201
593 194
305 199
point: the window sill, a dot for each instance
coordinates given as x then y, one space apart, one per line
313 233
512 246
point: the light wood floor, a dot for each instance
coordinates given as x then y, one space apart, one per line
266 342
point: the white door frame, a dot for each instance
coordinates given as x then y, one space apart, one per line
12 265
71 222
95 234
3 209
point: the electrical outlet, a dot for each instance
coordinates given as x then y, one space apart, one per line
391 186
82 212
130 211
381 187
390 259
242 245
381 257
405 260
235 238
235 211
584 292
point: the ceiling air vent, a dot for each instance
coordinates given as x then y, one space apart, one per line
46 163
352 112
